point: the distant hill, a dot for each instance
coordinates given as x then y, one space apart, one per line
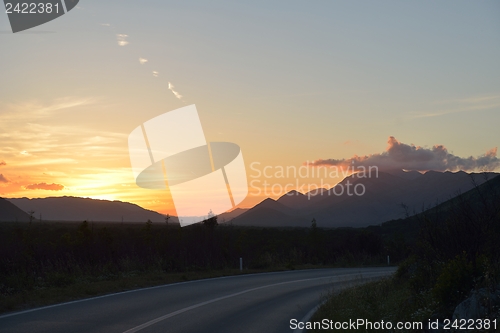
382 200
11 213
269 213
80 209
227 217
473 200
294 199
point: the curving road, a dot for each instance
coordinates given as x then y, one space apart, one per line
245 303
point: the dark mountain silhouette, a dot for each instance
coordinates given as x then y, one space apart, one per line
80 209
382 200
294 199
11 213
227 217
479 199
269 213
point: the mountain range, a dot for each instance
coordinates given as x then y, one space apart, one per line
390 195
80 209
382 200
477 203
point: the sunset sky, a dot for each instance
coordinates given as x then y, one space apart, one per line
290 82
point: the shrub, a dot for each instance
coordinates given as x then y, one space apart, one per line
455 281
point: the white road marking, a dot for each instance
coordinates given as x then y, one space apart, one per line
140 289
308 316
175 313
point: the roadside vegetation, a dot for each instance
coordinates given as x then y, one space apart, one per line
385 300
43 263
456 255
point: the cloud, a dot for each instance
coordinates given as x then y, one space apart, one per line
33 110
471 104
122 39
142 61
105 24
171 88
36 144
155 73
66 103
399 155
3 179
45 186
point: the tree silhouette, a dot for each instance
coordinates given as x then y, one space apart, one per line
211 221
31 213
313 224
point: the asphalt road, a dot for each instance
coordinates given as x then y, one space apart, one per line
246 303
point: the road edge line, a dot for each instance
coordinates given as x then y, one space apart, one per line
149 288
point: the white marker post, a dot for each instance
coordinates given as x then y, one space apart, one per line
241 264
388 261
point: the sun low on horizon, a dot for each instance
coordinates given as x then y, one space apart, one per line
307 94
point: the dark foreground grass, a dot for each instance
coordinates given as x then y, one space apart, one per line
388 300
90 286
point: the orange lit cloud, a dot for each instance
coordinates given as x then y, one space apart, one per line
399 155
45 186
3 179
